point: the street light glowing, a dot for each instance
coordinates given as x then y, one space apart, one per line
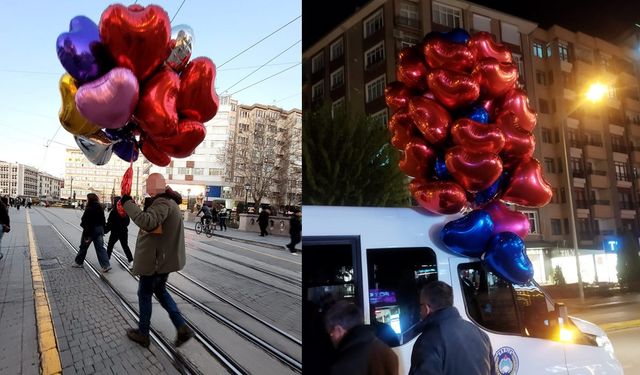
596 92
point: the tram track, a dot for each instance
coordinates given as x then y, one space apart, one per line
278 353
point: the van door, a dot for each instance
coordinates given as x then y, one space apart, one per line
519 320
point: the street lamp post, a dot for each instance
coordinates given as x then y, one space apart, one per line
71 189
188 193
247 187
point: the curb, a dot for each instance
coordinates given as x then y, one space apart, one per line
252 242
609 327
49 355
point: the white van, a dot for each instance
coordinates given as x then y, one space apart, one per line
380 257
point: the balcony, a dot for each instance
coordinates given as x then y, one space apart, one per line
582 203
586 236
636 155
598 180
632 104
634 130
623 181
601 209
595 150
578 173
408 22
566 66
569 94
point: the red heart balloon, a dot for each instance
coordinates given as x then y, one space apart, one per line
440 197
397 95
430 118
417 159
518 142
402 129
152 153
506 220
477 137
474 171
527 186
440 53
188 136
411 69
136 36
516 102
156 112
453 89
415 184
483 45
198 100
490 106
495 78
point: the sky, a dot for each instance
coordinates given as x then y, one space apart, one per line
30 69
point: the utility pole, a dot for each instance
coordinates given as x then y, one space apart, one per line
71 189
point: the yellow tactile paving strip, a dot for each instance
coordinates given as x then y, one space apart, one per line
620 325
49 355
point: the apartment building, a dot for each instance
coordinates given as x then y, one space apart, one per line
18 180
49 186
351 65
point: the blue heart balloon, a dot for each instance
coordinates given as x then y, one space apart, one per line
469 235
126 150
457 35
81 52
479 114
440 169
506 256
487 195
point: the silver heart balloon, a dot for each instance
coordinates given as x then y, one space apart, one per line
181 47
96 153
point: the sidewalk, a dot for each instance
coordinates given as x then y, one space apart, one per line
610 313
276 242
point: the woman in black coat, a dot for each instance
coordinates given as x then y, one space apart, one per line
117 225
93 231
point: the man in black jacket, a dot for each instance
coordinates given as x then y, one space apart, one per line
295 231
448 345
118 224
5 222
93 231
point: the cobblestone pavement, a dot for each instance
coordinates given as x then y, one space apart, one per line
90 325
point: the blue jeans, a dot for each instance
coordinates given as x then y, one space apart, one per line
148 286
97 237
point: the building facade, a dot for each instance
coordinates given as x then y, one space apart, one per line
49 187
18 180
351 65
82 177
265 163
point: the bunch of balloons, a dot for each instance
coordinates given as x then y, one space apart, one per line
465 131
130 86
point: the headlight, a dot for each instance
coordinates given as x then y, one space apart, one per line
604 342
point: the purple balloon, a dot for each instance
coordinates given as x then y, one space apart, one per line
126 150
110 100
506 220
96 153
80 51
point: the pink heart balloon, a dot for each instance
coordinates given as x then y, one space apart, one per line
110 100
506 220
527 186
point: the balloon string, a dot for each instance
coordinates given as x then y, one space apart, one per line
177 11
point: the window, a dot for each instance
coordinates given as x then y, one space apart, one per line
198 171
560 165
622 171
380 118
533 221
395 279
563 51
374 55
556 227
336 50
517 59
490 302
337 78
373 23
546 135
337 105
510 33
317 63
182 170
549 49
537 49
549 164
408 41
375 89
613 94
584 54
481 23
169 170
446 15
543 106
541 78
624 197
408 14
317 91
563 196
550 78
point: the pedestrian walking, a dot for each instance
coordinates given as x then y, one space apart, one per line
263 222
295 231
92 224
448 345
118 226
160 250
5 221
222 218
358 350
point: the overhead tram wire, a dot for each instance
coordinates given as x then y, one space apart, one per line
177 11
261 66
260 41
264 79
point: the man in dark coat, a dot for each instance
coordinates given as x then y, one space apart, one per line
93 231
295 231
118 224
263 222
448 345
5 222
358 350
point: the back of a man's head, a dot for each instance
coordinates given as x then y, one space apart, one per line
156 184
438 295
344 314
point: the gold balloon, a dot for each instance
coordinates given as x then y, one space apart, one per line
71 120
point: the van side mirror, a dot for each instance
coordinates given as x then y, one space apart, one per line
561 312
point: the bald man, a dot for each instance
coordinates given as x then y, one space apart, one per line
159 251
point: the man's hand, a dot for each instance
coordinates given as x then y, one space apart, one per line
125 198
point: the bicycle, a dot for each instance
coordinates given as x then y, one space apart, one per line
207 228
